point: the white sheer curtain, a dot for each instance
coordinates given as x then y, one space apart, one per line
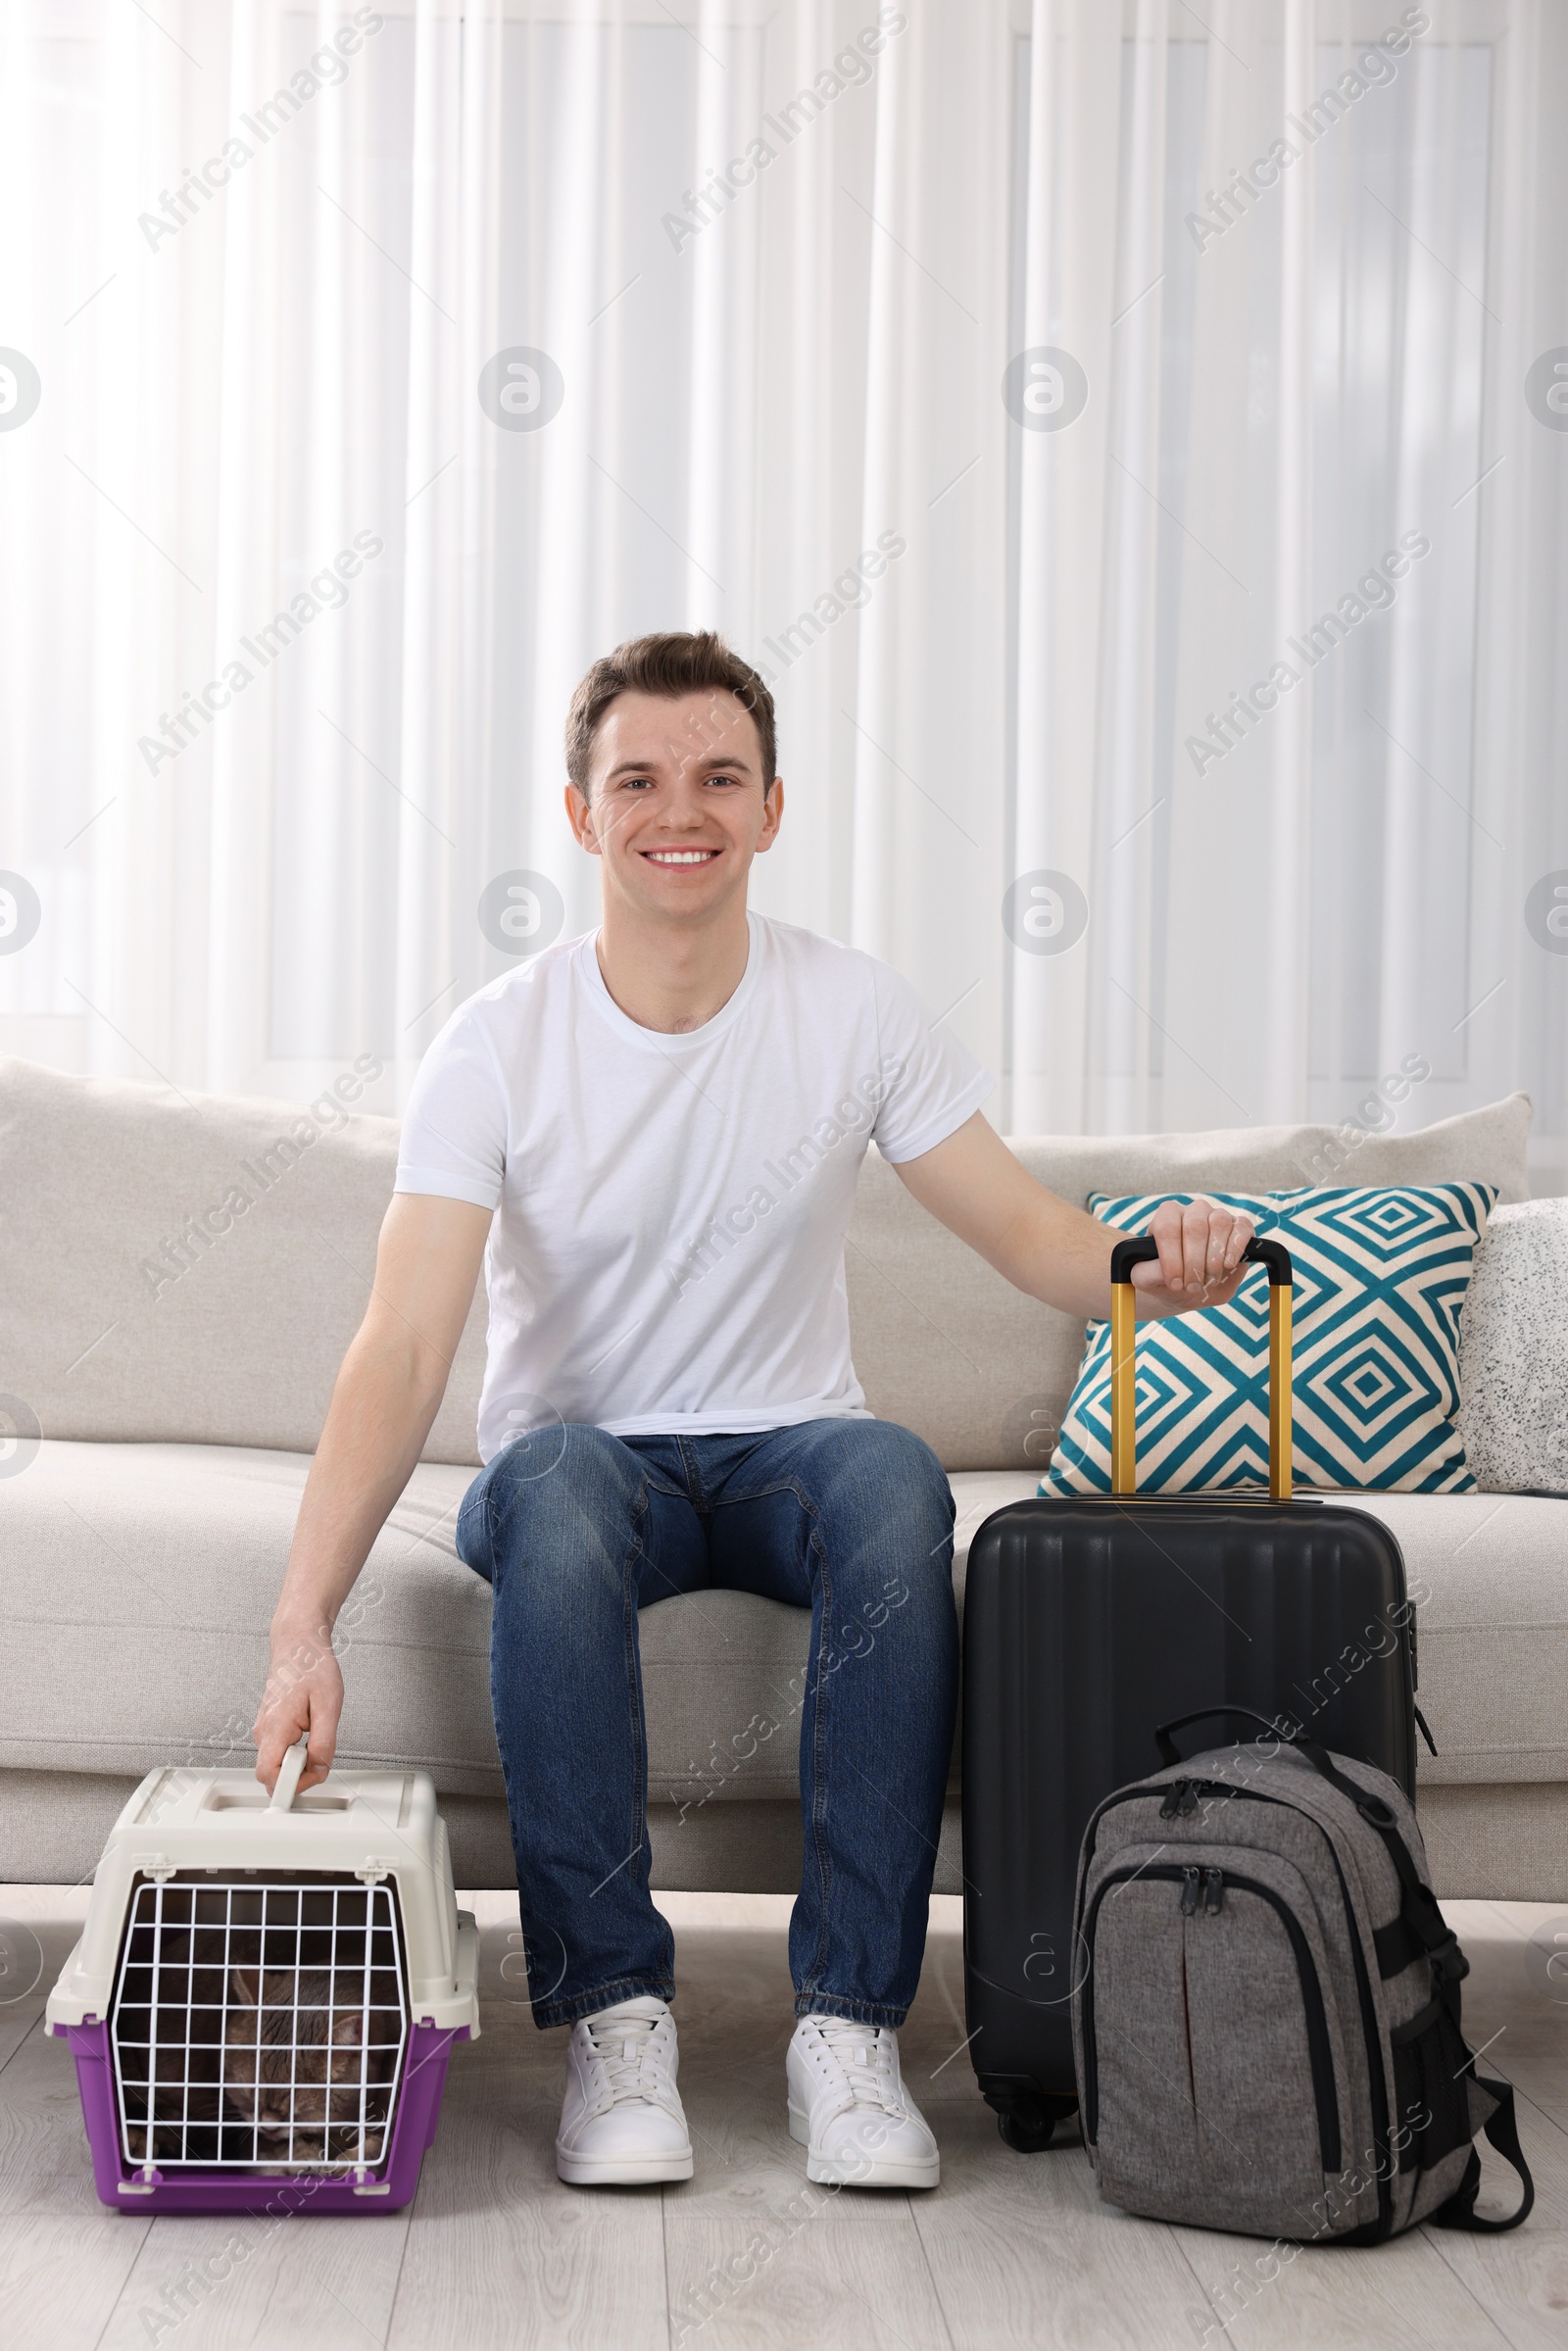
979 222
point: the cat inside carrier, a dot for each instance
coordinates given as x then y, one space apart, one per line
265 1992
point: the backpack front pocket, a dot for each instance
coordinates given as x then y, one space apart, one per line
1208 2056
1139 2112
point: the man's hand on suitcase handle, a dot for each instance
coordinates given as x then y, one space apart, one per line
1200 1246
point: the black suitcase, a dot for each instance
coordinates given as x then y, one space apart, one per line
1089 1623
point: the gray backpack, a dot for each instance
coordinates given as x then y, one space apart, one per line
1267 2018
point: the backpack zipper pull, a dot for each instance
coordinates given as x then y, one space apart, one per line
1179 1801
1213 1893
1190 1885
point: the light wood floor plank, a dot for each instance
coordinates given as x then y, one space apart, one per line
500 2255
1026 2257
772 2279
61 2276
321 2283
45 2167
38 1925
1400 2296
1511 2017
63 2258
16 2022
1546 2149
1521 2279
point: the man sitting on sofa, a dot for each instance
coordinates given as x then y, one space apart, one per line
651 1137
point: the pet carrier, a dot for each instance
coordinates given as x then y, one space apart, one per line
266 1990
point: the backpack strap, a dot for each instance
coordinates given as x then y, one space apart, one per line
1420 1927
1503 2129
1170 1753
1426 1929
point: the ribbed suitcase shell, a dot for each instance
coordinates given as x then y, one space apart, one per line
1086 1624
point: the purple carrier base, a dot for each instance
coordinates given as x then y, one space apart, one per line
414 2128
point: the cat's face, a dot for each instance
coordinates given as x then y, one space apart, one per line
284 2046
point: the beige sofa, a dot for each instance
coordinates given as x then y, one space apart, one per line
179 1278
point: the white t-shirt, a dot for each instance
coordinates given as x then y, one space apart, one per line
669 1253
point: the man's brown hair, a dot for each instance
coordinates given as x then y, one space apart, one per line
676 663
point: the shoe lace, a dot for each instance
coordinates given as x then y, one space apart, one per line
625 2047
864 2053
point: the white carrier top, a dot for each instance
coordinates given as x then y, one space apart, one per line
372 1825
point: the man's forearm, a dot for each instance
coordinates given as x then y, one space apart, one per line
382 1407
1058 1253
388 1392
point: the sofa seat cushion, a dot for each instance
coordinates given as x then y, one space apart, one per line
1489 1573
137 1582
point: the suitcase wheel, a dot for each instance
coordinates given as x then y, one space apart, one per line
1028 2125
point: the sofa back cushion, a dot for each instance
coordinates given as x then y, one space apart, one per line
192 1268
983 1373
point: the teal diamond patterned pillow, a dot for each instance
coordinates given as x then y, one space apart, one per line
1380 1276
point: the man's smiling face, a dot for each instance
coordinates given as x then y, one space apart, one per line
677 805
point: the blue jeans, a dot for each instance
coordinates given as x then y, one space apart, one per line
576 1531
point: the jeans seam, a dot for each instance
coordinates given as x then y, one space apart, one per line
820 1776
478 1504
639 1723
696 1492
494 1522
760 1493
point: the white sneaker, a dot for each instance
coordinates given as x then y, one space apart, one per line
621 2120
849 2109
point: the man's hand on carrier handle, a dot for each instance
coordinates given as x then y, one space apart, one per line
974 1185
387 1395
304 1692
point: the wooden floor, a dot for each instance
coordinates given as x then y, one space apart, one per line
1010 2250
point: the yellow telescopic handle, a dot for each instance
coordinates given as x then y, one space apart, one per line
1272 1254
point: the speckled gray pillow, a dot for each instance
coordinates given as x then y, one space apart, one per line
1513 1353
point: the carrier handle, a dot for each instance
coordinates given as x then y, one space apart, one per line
1276 1258
288 1775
